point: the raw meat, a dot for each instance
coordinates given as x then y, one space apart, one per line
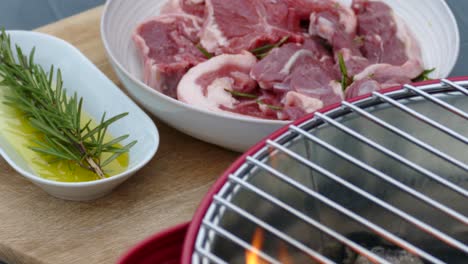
381 76
303 75
388 45
335 23
168 47
171 7
297 104
267 105
205 85
233 26
195 7
299 77
338 24
192 7
276 67
385 38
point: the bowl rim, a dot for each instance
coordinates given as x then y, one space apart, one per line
227 115
141 84
454 22
129 171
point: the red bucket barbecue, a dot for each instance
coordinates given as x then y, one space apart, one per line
380 179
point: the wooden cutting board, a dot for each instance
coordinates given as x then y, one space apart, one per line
38 228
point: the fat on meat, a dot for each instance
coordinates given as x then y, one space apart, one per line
384 36
167 45
233 26
195 7
206 84
303 76
382 76
297 78
272 71
389 46
337 24
191 7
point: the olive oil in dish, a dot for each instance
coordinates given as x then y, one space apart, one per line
40 116
15 128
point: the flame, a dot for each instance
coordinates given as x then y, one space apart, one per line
257 243
284 255
274 159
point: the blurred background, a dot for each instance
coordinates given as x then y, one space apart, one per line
30 14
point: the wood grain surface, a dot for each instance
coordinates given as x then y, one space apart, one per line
38 228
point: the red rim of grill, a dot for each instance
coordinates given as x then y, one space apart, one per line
164 247
191 229
195 224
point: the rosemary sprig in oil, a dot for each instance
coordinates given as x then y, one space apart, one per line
41 97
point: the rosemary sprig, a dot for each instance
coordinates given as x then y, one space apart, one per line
240 94
205 53
253 96
272 107
263 51
424 76
346 80
41 97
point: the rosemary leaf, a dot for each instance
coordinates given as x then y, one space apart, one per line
42 98
240 94
115 141
117 154
45 129
100 139
272 107
65 148
345 79
103 124
424 76
77 117
263 51
205 53
51 152
85 127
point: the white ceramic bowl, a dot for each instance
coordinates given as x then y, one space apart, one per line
431 21
100 94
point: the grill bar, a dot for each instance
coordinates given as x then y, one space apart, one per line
432 238
407 136
312 253
455 86
421 117
436 101
418 223
240 242
206 254
375 228
354 246
395 156
383 176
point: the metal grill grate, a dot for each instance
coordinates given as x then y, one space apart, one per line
389 170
